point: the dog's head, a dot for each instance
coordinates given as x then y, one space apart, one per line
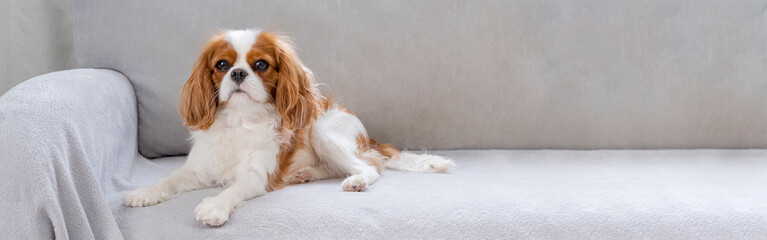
259 66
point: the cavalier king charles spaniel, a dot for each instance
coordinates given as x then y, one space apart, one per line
259 123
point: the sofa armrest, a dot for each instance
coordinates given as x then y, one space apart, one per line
66 139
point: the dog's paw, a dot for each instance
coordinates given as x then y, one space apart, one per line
212 212
353 183
144 197
303 175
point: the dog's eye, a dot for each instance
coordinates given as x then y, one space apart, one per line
222 65
260 65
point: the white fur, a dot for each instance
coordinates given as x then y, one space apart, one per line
334 139
419 163
238 151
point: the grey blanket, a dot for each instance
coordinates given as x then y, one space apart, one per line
68 140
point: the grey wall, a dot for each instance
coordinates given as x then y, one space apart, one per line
36 39
4 84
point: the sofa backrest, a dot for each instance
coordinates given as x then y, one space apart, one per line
471 74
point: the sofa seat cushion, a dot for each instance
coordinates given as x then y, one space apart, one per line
615 194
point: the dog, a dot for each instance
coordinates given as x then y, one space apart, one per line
258 123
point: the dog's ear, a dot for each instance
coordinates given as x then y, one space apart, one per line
198 96
294 95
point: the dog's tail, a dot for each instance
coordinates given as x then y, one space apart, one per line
399 160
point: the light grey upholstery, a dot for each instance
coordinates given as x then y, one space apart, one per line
472 74
437 74
493 194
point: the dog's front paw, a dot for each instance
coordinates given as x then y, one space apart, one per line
144 197
212 212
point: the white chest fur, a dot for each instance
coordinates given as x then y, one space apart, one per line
242 140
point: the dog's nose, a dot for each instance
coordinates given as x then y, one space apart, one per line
238 75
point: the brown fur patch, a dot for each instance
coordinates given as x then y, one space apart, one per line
286 80
199 101
346 110
374 153
367 153
295 142
325 103
387 150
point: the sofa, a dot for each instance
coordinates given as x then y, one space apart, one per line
567 120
